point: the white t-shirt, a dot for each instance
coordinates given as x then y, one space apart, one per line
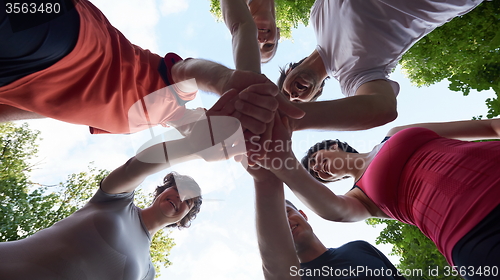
105 239
362 40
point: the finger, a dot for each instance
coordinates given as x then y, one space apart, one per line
267 137
256 112
224 104
265 101
253 147
238 158
286 107
268 88
255 126
286 123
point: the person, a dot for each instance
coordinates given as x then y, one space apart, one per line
78 68
109 238
250 19
422 175
286 238
359 43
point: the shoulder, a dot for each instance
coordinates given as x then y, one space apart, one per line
103 197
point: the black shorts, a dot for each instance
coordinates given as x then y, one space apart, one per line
32 41
478 252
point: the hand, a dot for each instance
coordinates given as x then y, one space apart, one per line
252 88
279 156
260 174
217 136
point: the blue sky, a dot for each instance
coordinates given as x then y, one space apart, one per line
221 244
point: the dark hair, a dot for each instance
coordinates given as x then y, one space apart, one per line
171 180
324 145
291 66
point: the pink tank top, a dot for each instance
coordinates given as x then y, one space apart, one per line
443 186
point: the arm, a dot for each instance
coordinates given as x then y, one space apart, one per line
130 175
463 130
320 199
210 76
240 23
273 230
315 195
204 141
9 113
373 105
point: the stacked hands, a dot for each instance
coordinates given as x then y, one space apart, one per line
254 102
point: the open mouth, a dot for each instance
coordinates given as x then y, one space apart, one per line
293 228
263 30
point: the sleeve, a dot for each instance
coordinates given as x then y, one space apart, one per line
94 130
388 264
103 197
350 83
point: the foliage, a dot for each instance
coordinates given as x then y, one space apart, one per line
27 207
466 51
415 250
289 14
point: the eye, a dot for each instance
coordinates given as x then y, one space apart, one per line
268 47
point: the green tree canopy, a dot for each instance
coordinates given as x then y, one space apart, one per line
289 14
27 207
414 249
466 51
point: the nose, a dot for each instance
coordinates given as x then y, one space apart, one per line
263 35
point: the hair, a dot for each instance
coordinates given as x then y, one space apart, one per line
287 202
291 66
324 145
172 179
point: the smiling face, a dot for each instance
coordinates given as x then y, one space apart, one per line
172 206
264 16
171 200
328 165
268 42
301 83
300 228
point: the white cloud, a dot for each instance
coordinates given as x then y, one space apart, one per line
135 19
173 6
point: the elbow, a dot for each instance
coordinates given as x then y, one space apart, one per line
386 113
389 114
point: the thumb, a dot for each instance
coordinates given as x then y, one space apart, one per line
286 107
224 102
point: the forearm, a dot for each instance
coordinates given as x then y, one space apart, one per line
240 23
210 76
273 231
9 113
147 162
315 195
351 113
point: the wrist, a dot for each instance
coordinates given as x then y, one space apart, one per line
224 83
287 168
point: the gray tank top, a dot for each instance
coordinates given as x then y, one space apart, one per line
106 239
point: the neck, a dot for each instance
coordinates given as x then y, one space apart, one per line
311 250
151 220
364 161
315 63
